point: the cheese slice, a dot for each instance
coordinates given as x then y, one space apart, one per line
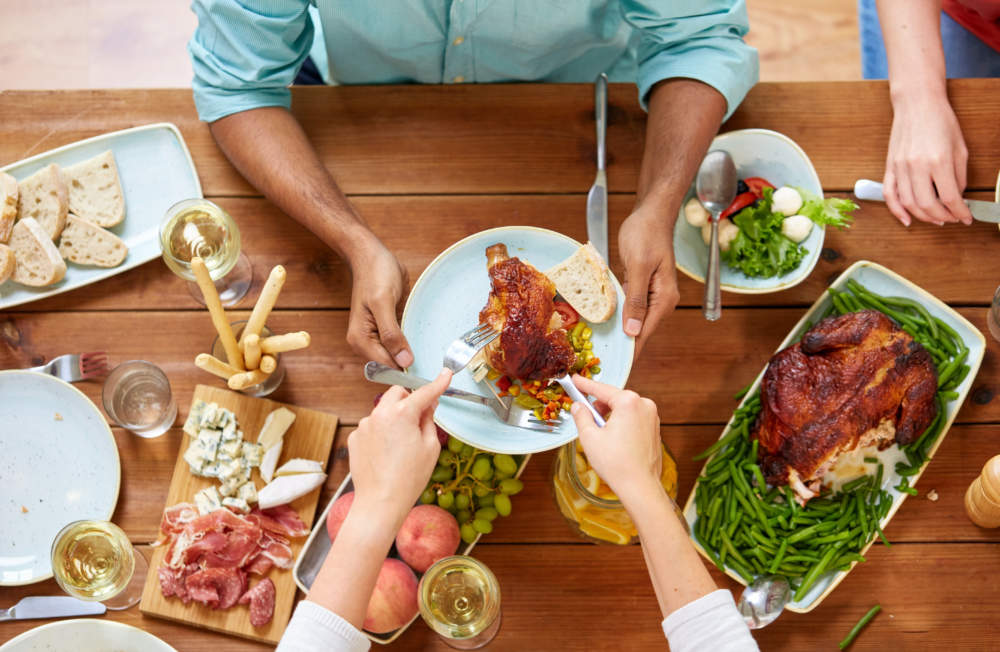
237 504
248 492
270 461
275 426
207 500
287 488
193 422
299 465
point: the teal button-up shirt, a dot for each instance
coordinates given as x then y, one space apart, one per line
247 52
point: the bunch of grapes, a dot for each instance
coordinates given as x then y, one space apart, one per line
475 486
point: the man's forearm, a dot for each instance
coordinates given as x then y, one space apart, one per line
269 148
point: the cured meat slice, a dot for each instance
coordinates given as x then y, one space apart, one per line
281 520
261 600
219 588
260 564
172 583
177 517
276 549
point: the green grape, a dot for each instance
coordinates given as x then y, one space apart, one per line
511 486
481 492
453 510
455 445
502 504
446 457
446 500
468 532
482 525
500 475
505 464
466 484
429 496
462 501
467 451
487 500
488 513
463 516
441 473
481 468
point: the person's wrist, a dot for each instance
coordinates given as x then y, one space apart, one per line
637 491
360 246
926 92
382 513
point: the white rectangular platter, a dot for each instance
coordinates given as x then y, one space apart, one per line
156 172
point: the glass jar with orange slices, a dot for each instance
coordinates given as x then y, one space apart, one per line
588 503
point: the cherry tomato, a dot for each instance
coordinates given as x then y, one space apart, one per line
503 383
741 202
569 316
756 185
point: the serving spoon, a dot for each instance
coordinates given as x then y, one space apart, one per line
715 187
763 600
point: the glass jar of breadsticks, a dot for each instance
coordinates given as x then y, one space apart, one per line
246 354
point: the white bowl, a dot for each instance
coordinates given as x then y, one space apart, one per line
757 153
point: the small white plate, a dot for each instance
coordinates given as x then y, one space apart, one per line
445 302
59 464
86 635
757 153
156 172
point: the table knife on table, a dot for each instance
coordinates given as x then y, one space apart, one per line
597 198
984 211
51 606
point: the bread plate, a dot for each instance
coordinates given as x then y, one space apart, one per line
156 171
87 635
445 302
780 160
885 282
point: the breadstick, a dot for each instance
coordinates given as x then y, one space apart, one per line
214 306
213 365
265 302
251 351
286 342
247 379
268 364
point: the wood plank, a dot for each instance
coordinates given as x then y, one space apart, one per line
451 139
689 367
311 437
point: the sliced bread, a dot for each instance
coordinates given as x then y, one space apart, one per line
95 190
38 262
44 198
8 205
6 262
85 243
582 279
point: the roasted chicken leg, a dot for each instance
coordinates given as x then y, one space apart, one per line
532 343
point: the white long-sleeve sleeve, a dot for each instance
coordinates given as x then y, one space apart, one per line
313 628
709 623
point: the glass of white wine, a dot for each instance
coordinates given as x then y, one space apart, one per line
94 560
199 227
459 599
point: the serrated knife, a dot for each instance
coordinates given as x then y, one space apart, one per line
984 211
597 198
51 606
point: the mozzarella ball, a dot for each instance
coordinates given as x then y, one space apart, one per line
695 213
727 233
796 228
786 201
706 233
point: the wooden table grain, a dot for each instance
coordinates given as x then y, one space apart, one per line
429 165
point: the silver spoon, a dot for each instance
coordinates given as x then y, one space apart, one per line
763 600
715 187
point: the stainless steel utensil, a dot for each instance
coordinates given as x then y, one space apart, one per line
461 351
74 367
51 606
597 198
567 384
984 211
715 187
763 600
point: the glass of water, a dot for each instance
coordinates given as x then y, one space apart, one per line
137 397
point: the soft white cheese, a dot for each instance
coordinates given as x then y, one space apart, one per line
287 488
207 500
786 201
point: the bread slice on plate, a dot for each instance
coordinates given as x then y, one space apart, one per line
8 205
582 279
6 262
85 243
95 190
38 262
44 198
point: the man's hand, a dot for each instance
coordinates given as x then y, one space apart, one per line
373 331
645 244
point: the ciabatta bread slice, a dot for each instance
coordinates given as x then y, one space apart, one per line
6 262
582 279
95 190
44 198
8 205
38 262
85 243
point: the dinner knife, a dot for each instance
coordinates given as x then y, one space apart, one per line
984 211
51 606
597 198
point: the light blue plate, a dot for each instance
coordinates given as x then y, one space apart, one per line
59 464
757 153
86 635
445 302
156 172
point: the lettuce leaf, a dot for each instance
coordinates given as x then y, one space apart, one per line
760 249
833 211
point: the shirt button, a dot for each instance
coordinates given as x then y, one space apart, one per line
458 80
458 41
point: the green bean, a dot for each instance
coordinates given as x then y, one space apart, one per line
728 437
758 475
809 531
839 536
855 483
853 634
909 490
773 568
814 573
862 515
743 392
838 303
881 535
906 470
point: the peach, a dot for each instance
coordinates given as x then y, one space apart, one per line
394 600
338 513
428 534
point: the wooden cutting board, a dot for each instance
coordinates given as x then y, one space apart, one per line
311 437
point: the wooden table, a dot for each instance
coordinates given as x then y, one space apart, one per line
427 166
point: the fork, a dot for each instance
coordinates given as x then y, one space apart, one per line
73 367
504 408
567 384
462 350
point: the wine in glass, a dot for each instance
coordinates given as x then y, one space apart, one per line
459 599
94 560
199 227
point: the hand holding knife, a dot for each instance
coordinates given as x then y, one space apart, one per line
983 211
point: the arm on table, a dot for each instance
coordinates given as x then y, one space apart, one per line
925 169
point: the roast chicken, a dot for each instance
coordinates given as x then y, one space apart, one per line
532 343
853 381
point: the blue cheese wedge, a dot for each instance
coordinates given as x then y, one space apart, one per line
229 470
207 500
248 492
193 422
252 453
195 458
208 440
236 504
230 432
208 415
232 449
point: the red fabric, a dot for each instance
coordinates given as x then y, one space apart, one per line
977 16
